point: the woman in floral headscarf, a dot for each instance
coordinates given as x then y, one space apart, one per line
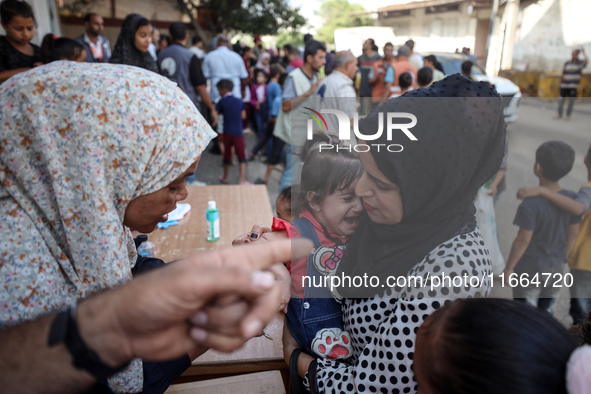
87 151
133 42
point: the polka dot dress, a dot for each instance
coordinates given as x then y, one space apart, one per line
383 329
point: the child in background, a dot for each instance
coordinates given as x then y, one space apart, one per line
258 96
277 143
579 259
61 48
404 84
546 232
17 54
424 77
331 213
491 346
233 111
274 90
283 205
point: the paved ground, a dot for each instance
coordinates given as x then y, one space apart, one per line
210 169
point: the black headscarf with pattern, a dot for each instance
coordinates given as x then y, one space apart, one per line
125 51
461 135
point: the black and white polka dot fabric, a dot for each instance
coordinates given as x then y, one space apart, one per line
383 328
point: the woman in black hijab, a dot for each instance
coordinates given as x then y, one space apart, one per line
132 44
419 222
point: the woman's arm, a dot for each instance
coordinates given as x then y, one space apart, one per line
4 75
157 316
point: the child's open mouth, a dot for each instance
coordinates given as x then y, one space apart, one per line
352 221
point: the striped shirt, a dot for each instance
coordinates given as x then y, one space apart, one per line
571 75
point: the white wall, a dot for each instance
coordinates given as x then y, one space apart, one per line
548 31
441 32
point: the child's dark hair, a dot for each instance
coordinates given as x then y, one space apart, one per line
196 40
425 76
286 195
63 48
405 80
521 348
164 38
582 331
11 8
276 69
556 159
467 67
225 84
259 71
325 171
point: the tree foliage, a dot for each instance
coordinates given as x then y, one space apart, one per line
294 38
338 14
247 16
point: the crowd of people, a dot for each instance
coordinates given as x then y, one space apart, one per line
91 151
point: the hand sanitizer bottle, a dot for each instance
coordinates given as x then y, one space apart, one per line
213 222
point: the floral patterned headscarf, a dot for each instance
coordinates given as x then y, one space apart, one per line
78 142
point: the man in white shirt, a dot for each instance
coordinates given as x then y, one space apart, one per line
224 64
415 59
97 46
337 92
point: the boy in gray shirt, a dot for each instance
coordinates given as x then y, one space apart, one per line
546 232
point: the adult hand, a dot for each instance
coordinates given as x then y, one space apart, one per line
214 117
313 87
253 235
153 316
283 278
525 192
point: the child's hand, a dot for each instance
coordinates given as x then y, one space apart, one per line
525 192
253 235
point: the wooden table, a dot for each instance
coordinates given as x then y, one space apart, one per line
240 208
258 355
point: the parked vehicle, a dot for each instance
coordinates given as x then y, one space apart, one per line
452 64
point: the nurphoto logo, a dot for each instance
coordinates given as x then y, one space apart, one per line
344 133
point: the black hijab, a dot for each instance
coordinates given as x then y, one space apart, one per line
461 135
125 51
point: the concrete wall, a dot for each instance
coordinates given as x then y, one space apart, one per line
439 32
547 32
163 10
